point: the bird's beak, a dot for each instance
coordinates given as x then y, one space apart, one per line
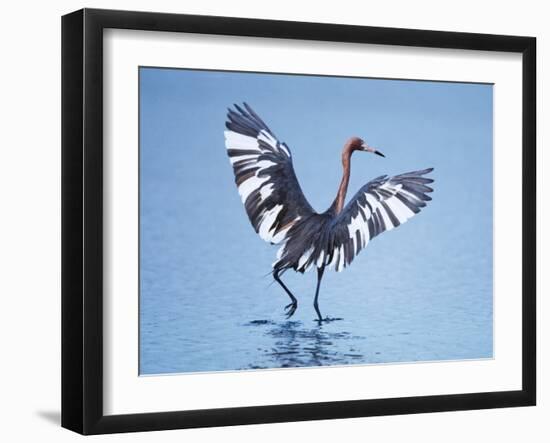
371 149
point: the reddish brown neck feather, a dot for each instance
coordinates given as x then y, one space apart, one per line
349 147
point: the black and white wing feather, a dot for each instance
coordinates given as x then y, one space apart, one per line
381 205
264 175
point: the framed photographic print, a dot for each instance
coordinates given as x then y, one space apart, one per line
269 221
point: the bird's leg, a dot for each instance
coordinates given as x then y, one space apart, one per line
291 307
316 300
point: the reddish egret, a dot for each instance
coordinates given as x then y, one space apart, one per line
280 213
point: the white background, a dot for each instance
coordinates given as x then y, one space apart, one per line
30 222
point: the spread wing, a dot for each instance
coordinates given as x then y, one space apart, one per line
380 205
264 175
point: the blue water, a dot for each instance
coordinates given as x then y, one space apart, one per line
421 292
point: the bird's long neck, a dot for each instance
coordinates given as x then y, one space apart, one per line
340 199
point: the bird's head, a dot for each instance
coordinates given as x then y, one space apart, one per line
358 144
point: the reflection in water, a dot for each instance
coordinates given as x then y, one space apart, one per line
294 345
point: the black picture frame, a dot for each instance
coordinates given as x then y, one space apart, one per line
82 216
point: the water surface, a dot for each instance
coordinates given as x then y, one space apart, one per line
422 292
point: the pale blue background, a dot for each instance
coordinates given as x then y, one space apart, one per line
418 293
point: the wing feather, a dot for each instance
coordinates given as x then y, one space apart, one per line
381 205
264 175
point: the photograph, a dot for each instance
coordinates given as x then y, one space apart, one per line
266 202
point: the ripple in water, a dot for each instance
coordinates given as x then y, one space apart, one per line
294 345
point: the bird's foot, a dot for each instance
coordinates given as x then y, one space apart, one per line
291 308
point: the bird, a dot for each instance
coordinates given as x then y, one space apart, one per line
280 213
